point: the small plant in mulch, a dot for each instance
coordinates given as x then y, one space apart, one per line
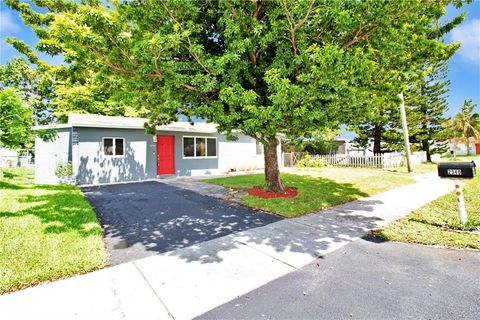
265 194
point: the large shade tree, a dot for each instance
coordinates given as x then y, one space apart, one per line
262 68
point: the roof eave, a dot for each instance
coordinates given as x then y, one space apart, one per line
51 126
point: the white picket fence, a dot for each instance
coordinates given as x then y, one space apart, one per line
386 160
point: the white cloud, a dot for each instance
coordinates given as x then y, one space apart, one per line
469 35
7 24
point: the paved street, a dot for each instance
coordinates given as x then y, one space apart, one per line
369 280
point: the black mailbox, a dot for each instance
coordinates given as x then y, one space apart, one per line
457 170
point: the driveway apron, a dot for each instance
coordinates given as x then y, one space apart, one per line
141 219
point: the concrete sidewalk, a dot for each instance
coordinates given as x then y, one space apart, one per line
187 282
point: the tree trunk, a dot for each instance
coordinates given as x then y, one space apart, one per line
426 148
272 171
426 142
377 140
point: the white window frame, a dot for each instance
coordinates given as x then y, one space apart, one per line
114 147
195 147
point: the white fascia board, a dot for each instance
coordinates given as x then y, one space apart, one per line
51 126
111 126
159 128
163 129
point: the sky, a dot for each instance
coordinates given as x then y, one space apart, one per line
464 67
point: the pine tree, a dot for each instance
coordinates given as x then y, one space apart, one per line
427 101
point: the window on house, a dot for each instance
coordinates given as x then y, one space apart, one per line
114 146
119 147
199 147
189 147
211 147
108 146
259 147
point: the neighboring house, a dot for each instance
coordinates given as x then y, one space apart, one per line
8 157
347 146
116 149
5 152
462 148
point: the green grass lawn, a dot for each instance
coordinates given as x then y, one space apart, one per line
462 158
318 188
46 232
418 168
437 223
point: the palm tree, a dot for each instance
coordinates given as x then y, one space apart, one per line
465 125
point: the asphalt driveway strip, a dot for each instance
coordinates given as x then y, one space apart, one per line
142 219
368 279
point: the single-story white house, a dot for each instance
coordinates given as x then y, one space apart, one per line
462 148
106 149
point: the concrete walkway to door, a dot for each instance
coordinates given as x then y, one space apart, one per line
188 282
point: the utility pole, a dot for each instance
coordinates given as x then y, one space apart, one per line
403 116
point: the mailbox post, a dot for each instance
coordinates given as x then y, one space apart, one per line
462 212
458 171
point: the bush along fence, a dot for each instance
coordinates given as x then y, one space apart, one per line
386 160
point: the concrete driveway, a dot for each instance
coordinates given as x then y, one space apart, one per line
142 219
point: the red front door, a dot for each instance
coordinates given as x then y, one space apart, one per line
165 155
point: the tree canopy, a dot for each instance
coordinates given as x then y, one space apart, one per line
34 86
258 67
15 120
425 93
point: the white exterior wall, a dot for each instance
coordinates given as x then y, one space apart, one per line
241 154
461 148
49 154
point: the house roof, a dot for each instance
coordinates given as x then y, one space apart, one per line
98 121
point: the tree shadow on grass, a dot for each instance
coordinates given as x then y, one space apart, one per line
59 213
314 194
9 175
53 187
9 186
326 190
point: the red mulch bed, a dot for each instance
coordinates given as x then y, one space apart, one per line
261 193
